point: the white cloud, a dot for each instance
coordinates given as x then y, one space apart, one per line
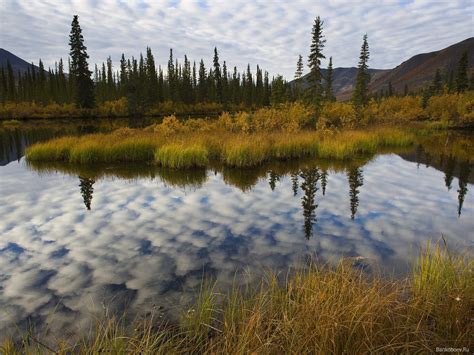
268 33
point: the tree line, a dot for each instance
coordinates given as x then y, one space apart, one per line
145 85
138 79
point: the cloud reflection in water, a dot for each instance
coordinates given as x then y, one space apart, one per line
149 241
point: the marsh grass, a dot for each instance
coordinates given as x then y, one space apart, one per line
178 156
317 309
175 146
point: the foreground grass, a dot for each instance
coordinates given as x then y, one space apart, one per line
322 310
185 149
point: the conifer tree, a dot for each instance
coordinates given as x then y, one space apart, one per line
225 83
298 76
316 54
329 91
151 78
217 76
202 83
462 82
279 93
437 85
259 87
171 77
80 73
10 83
267 91
360 96
390 89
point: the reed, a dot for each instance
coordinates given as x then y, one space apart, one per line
318 309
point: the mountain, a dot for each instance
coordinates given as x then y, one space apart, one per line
416 72
344 78
18 64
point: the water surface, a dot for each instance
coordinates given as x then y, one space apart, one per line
76 239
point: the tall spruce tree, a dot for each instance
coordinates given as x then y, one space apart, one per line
360 96
329 91
462 82
80 73
202 82
151 78
217 76
315 56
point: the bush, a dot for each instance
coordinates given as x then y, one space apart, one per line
443 107
337 115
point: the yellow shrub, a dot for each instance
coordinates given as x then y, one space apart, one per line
337 115
113 108
170 125
443 107
242 122
466 107
407 108
225 121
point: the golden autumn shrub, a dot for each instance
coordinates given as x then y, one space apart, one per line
443 107
170 125
337 115
407 108
113 108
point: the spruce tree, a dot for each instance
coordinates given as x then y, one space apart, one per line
225 83
171 77
316 54
437 85
259 88
202 83
462 82
279 93
11 87
360 96
390 89
151 78
329 91
80 73
217 76
298 76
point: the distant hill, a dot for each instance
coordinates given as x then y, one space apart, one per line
18 64
344 78
419 70
416 72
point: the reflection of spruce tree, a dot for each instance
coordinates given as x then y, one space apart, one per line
324 181
356 180
274 177
294 183
87 190
449 171
309 186
464 171
418 154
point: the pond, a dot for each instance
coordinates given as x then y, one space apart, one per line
74 240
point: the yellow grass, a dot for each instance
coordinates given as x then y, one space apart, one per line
178 144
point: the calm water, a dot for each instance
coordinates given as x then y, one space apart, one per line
74 240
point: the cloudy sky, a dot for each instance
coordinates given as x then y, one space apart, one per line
269 33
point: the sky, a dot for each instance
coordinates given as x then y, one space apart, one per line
268 33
